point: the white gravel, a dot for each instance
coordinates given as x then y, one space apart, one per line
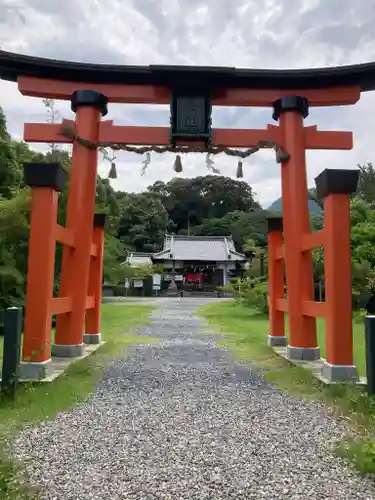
181 420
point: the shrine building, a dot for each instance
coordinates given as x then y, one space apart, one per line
199 263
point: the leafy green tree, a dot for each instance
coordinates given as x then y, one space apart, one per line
366 183
191 201
13 248
143 222
10 169
241 225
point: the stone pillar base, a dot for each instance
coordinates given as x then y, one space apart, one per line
92 338
34 371
67 351
339 373
303 353
277 341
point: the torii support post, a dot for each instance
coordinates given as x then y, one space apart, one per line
93 332
46 180
291 111
335 186
275 281
89 106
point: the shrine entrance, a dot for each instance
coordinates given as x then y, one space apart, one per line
191 93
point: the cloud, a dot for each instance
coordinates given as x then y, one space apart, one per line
242 33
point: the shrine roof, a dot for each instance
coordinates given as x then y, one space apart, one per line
14 65
199 248
139 259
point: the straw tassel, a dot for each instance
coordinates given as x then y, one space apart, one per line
112 172
239 170
177 167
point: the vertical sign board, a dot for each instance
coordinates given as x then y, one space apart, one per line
12 350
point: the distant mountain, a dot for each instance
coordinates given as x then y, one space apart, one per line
276 206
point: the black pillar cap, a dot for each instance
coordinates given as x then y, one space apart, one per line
100 219
89 98
275 223
332 181
290 103
48 175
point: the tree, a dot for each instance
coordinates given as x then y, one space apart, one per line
241 225
10 169
366 183
190 201
143 222
13 248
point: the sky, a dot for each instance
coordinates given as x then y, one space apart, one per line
242 33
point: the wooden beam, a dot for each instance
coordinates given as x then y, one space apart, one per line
332 96
280 253
160 136
159 94
90 302
125 94
282 305
318 139
64 235
93 250
61 305
313 240
314 309
152 136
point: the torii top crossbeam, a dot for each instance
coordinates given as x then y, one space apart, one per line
153 84
13 66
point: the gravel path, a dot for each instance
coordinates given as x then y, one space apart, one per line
180 420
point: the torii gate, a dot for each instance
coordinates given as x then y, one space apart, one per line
191 92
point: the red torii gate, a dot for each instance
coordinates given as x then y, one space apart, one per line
90 88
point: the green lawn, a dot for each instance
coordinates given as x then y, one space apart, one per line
36 402
245 333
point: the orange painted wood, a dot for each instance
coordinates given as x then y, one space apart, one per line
131 94
90 302
319 139
338 285
61 305
153 136
296 222
93 315
160 136
40 275
282 305
152 94
333 96
312 240
75 264
93 250
280 253
314 309
275 284
64 235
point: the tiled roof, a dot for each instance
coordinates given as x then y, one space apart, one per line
136 259
199 248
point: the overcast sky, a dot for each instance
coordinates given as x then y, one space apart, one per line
242 33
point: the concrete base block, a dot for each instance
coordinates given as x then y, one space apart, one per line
92 338
34 371
277 341
339 373
67 351
303 353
